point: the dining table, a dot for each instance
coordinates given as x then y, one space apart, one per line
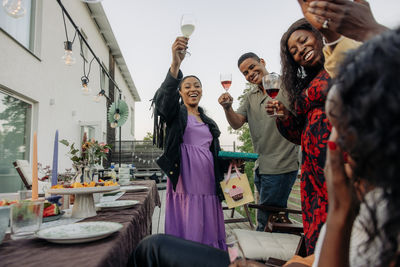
114 250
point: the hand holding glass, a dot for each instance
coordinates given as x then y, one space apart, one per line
272 84
188 22
226 81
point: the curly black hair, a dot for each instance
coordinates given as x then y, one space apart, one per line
368 87
295 77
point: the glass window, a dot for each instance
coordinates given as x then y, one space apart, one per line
89 130
19 28
15 131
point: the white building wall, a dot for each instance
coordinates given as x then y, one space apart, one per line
126 133
44 76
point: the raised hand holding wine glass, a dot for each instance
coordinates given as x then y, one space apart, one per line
188 23
226 81
272 84
179 44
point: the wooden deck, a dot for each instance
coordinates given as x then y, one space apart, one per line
159 214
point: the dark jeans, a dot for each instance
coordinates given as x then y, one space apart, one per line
170 251
274 190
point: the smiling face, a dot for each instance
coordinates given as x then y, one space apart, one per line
305 49
191 91
253 70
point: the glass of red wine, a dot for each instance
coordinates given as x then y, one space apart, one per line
272 84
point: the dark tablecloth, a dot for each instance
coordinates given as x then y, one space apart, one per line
115 250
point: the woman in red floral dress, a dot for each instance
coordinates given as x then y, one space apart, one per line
306 83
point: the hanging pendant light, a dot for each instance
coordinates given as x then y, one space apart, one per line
85 85
68 56
118 113
14 8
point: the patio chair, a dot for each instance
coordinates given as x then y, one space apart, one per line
236 220
25 173
280 241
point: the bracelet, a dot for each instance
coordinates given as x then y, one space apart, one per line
332 43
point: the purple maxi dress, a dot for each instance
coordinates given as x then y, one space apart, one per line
193 211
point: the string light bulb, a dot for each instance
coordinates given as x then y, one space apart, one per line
98 97
14 8
68 56
85 86
117 116
114 124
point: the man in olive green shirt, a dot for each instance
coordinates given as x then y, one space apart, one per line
277 166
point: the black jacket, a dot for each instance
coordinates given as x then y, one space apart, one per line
175 115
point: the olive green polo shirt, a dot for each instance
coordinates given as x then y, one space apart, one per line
276 154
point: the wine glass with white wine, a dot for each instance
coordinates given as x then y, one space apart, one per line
188 22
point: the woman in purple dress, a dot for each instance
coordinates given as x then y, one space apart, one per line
190 158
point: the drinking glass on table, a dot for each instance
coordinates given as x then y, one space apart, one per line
188 22
272 84
26 218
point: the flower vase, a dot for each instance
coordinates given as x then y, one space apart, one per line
78 173
92 175
87 175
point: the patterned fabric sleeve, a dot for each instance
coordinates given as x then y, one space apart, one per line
292 128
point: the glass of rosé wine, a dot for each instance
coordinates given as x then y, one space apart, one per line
226 80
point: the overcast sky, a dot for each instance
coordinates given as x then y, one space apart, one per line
225 29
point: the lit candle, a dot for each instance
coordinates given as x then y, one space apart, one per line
54 172
34 169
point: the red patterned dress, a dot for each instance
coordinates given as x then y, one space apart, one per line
311 128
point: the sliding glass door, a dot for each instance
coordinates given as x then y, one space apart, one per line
15 132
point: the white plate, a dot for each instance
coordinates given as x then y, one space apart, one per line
117 204
83 190
79 232
133 188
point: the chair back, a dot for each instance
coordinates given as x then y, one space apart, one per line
25 172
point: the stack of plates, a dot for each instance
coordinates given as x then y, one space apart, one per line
124 176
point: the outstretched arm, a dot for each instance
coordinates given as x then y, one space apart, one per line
167 96
178 46
235 120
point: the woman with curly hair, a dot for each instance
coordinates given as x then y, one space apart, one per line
306 82
363 106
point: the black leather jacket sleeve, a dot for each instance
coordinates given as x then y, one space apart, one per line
167 98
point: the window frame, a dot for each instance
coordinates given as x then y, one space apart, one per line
34 36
